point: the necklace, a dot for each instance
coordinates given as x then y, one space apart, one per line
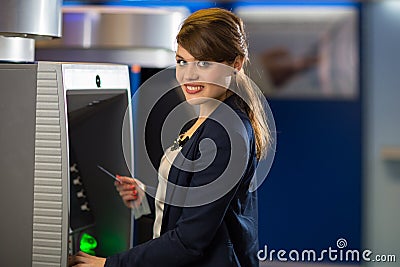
179 142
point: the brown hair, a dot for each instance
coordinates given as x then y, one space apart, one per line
217 34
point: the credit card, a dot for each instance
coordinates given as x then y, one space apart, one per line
108 173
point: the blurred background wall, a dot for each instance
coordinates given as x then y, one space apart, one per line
381 199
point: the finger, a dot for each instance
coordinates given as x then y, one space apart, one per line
129 190
84 257
125 187
129 187
125 193
74 260
83 254
127 180
126 190
71 261
129 197
120 183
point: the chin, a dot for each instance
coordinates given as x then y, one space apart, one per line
196 100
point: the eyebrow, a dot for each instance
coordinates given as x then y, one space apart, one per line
180 57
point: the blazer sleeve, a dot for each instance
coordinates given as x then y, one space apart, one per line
197 226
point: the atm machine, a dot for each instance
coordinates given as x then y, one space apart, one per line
81 120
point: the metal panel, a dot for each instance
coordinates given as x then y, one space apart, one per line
16 49
118 27
22 21
30 18
50 217
17 140
124 35
145 57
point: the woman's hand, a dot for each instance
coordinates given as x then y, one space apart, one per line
85 260
130 191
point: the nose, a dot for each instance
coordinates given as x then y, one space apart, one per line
191 72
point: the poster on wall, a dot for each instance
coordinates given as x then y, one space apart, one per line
303 51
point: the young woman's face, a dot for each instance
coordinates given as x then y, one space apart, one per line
201 80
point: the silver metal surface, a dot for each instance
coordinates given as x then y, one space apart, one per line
17 49
30 18
124 35
144 57
118 27
17 144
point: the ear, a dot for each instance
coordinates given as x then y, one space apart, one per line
238 63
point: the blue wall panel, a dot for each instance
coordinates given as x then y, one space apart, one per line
312 196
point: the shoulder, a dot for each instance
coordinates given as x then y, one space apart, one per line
227 126
229 118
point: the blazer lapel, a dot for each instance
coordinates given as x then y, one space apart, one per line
174 174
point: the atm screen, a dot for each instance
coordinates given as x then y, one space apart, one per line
99 222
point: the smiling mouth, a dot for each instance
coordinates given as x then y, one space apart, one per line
193 88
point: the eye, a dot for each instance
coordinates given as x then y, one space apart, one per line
203 64
181 62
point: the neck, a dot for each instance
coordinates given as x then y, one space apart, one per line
208 107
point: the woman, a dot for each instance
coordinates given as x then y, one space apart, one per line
192 228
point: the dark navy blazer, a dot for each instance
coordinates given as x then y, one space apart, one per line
219 234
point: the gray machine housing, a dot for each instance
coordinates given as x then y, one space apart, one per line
48 110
